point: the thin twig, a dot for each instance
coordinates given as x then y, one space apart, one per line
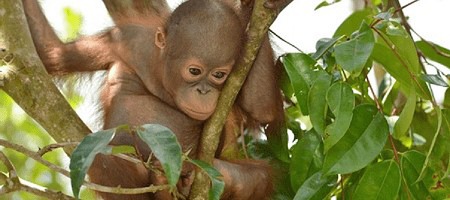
13 183
51 147
120 190
35 156
45 193
285 41
375 98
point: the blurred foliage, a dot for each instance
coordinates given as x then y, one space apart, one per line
74 21
17 127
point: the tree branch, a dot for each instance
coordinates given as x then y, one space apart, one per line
25 80
260 21
13 183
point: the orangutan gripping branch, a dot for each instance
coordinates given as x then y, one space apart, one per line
169 68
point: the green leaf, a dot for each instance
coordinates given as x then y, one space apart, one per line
350 184
84 155
363 141
217 185
405 60
411 164
164 145
396 29
404 121
385 15
380 181
434 79
433 143
325 4
353 55
306 158
446 102
299 66
316 187
322 4
393 66
352 23
405 48
323 45
341 101
278 144
317 103
435 52
286 85
441 151
123 149
391 63
447 173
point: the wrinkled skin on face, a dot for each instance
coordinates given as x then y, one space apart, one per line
201 90
195 74
197 91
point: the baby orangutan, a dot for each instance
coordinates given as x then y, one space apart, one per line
169 69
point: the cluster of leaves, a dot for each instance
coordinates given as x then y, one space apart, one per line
352 142
161 140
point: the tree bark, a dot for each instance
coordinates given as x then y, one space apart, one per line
26 81
260 22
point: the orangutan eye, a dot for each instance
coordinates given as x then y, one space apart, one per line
195 71
219 75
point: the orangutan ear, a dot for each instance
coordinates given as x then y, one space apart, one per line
160 38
